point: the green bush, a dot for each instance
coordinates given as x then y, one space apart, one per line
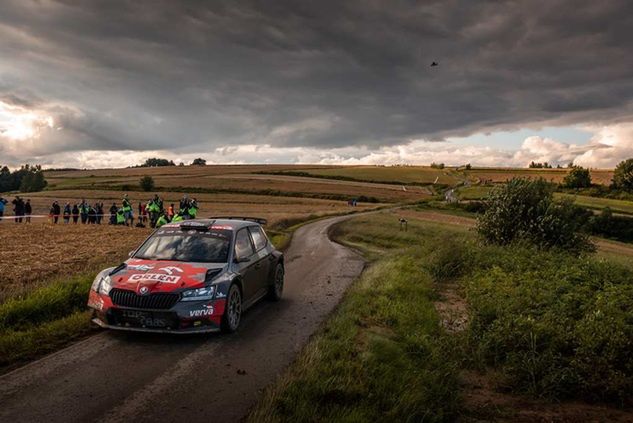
146 183
623 176
524 210
556 325
578 177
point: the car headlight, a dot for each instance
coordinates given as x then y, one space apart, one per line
199 294
102 283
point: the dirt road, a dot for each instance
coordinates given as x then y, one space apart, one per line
127 377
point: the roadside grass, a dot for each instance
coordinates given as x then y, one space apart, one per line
44 319
382 355
544 324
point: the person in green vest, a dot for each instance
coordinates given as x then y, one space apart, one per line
193 209
177 218
120 217
154 207
162 220
127 211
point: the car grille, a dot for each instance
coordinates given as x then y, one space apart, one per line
158 301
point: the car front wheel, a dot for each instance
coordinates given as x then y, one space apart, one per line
276 288
233 312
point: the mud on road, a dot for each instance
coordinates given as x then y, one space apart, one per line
145 377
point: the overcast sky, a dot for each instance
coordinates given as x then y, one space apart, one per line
110 83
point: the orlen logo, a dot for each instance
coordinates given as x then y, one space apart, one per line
154 277
171 269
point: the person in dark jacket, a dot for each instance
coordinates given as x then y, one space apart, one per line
67 213
75 213
92 215
28 211
55 212
18 209
113 211
99 209
84 208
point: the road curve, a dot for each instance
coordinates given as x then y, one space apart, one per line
119 377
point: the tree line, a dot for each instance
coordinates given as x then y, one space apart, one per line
27 178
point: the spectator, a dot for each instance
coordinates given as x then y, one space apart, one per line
92 215
99 210
28 210
67 213
3 203
55 212
18 209
84 208
170 212
75 213
113 212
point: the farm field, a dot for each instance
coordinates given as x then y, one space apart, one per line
227 179
599 203
598 176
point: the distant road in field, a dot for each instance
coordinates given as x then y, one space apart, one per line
119 377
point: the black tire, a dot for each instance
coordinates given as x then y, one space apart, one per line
233 311
276 288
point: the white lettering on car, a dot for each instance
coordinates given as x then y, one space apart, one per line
140 267
208 311
155 277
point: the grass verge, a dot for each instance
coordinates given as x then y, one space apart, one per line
382 355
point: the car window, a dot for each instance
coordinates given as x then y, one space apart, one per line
258 237
243 245
174 244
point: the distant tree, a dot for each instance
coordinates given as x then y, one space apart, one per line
6 180
147 183
578 177
181 164
199 162
468 166
156 162
437 165
623 175
534 165
524 210
570 165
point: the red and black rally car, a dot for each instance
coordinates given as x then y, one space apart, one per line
191 276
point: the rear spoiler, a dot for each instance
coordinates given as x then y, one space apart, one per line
259 220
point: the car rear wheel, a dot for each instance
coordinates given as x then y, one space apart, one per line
276 288
233 311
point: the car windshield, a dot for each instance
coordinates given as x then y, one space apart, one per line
192 246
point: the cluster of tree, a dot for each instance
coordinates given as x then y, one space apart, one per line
156 162
539 165
199 162
26 179
580 177
437 165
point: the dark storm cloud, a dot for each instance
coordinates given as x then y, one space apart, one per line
196 75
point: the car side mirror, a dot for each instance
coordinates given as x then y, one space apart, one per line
242 259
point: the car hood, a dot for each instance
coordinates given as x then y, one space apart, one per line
161 276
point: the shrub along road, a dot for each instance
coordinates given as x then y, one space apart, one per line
140 377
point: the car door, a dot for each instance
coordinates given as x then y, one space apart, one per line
261 252
246 263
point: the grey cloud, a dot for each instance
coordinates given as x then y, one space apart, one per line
193 76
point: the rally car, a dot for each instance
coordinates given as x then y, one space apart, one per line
191 276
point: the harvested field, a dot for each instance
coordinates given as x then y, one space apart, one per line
35 253
598 176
